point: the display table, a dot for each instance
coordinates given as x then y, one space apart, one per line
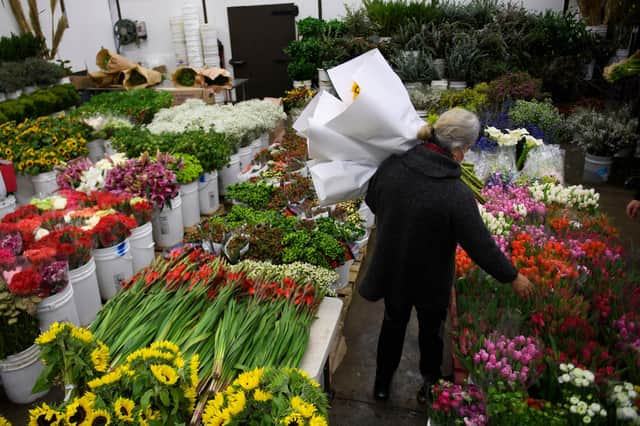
323 331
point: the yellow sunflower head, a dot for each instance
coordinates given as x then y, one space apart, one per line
4 422
147 414
164 373
100 418
81 334
51 334
100 357
165 345
318 421
262 396
215 417
194 365
236 403
123 408
302 407
293 419
44 416
249 380
78 412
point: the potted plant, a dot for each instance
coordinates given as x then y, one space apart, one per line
416 68
12 78
601 135
461 60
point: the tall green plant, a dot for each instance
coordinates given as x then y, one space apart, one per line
463 57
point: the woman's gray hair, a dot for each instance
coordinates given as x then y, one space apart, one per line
456 128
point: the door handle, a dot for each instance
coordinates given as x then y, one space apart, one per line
236 62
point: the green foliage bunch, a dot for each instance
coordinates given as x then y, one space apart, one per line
139 105
541 114
19 47
39 103
255 195
191 168
473 99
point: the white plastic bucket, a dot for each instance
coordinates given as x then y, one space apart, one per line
439 65
96 150
245 155
167 224
59 307
265 139
439 85
367 215
113 266
8 205
256 147
24 191
14 95
44 184
343 275
457 86
142 246
229 174
208 193
190 204
596 168
19 373
86 293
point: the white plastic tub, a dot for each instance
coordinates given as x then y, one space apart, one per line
142 246
59 307
19 373
167 224
208 193
229 174
8 205
245 156
96 150
86 292
113 266
190 204
44 184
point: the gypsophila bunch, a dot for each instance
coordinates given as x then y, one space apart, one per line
624 398
575 196
269 396
71 355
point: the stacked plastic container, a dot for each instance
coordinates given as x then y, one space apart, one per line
192 34
210 45
176 24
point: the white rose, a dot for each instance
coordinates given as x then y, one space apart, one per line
41 233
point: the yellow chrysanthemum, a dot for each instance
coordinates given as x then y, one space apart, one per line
302 407
52 333
100 418
4 422
215 417
261 396
100 357
318 421
106 379
293 419
123 408
355 89
44 415
194 365
165 345
237 402
78 412
249 380
164 373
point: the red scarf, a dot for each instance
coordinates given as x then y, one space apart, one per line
435 148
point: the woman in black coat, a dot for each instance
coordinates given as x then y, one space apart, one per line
423 211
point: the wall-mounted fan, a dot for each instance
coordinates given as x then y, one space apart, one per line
125 31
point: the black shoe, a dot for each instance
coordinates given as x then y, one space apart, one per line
424 394
381 390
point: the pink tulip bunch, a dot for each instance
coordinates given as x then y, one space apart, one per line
453 403
512 361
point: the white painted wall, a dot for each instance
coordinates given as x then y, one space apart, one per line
91 23
89 29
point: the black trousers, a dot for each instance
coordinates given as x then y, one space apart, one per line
391 340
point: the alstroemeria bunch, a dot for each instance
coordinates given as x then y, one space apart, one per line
73 356
260 394
455 404
512 361
624 398
144 177
70 173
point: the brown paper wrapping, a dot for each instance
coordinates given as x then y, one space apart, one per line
115 63
149 78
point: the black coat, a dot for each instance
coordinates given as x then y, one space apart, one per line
423 210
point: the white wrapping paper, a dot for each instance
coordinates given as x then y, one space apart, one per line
350 137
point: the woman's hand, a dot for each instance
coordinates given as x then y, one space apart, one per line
633 208
522 286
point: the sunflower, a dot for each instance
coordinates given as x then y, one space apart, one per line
262 396
29 163
78 411
194 364
306 409
293 419
146 415
100 357
165 345
164 373
51 334
4 422
81 334
215 417
8 153
249 380
318 421
100 418
237 402
123 408
106 379
44 416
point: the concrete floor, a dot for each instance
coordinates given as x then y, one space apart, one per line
353 403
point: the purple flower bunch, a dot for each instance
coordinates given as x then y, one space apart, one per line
70 174
513 200
54 276
512 361
144 177
11 241
452 403
628 328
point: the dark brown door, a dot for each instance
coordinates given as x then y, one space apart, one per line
258 36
